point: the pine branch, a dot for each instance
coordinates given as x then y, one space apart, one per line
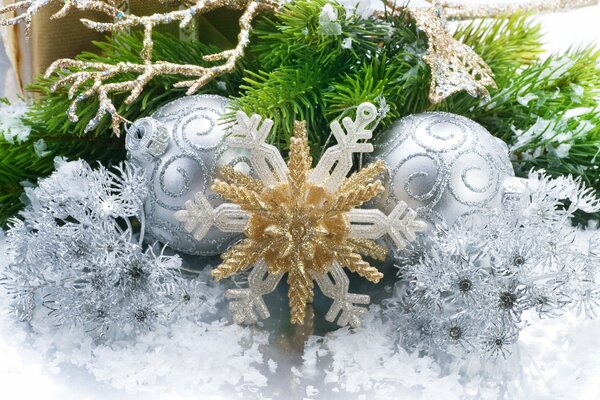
505 44
371 83
295 33
286 95
299 61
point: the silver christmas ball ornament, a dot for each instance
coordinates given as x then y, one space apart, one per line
443 166
180 146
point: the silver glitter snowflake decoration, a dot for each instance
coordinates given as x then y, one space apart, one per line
76 255
300 221
470 289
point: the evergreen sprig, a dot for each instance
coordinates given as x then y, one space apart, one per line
546 105
300 61
505 44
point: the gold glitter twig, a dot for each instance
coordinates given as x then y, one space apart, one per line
95 75
456 11
30 7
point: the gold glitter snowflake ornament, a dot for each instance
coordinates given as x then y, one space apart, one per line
300 221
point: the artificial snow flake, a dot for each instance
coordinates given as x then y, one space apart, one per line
469 290
328 21
300 221
11 122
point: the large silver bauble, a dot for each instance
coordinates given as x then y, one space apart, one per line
443 166
180 146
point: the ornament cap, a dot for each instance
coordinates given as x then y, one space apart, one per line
146 139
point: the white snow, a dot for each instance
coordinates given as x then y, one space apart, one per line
555 359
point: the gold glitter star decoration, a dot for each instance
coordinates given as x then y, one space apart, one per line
301 222
98 79
454 66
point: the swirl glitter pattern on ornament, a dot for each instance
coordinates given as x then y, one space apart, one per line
195 148
443 166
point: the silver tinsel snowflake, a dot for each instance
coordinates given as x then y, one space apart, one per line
467 290
75 254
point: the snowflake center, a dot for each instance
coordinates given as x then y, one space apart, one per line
300 229
301 232
508 300
465 285
518 260
455 332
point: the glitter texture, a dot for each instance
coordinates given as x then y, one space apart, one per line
454 65
95 75
443 166
180 146
473 289
76 256
454 10
302 222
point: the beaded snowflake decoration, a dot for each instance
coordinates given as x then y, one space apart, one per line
300 221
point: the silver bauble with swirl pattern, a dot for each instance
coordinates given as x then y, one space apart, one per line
443 166
181 146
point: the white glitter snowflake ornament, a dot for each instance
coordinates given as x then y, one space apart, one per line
300 221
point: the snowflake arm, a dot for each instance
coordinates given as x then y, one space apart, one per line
199 216
335 285
249 133
247 305
241 256
336 163
401 225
